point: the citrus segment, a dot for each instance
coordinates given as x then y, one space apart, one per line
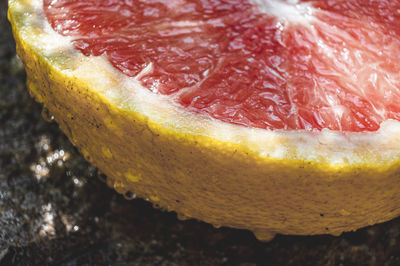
269 181
271 64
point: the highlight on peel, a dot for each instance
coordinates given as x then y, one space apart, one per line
269 115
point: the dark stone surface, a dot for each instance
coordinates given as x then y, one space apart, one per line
55 211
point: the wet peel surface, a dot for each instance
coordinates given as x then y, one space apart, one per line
55 211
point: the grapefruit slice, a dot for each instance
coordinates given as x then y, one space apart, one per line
271 115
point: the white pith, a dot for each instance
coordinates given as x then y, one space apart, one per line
337 148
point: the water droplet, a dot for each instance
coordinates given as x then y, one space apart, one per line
120 187
264 235
182 217
46 115
86 155
129 195
217 226
161 208
101 176
110 182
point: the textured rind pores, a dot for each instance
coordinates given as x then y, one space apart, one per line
199 177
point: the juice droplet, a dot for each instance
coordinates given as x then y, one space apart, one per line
46 115
129 195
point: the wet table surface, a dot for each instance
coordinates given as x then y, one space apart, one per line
54 210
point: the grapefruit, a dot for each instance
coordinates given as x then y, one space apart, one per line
278 116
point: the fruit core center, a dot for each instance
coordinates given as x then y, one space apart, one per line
273 64
290 10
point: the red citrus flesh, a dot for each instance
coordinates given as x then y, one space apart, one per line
310 65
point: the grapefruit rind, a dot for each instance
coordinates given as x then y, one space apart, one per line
290 182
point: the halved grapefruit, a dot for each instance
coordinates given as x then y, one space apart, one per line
278 116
